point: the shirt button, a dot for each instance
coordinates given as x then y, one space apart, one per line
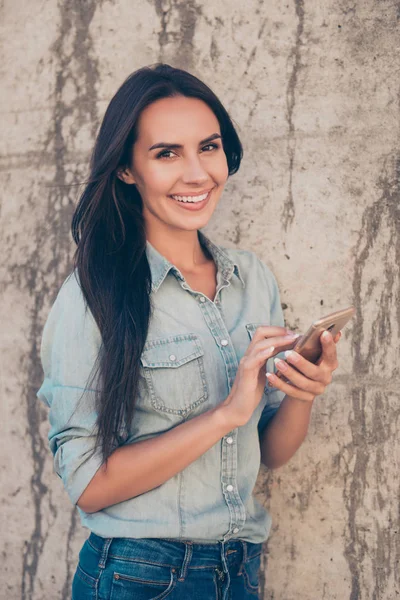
202 299
172 357
229 488
236 530
229 440
224 342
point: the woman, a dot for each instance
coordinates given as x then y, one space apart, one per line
154 355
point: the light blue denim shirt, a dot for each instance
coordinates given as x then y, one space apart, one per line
188 366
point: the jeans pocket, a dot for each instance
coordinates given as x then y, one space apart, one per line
87 574
142 581
83 585
251 573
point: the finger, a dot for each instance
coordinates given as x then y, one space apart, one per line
269 331
299 380
308 368
288 389
321 371
329 355
337 337
250 362
254 360
280 342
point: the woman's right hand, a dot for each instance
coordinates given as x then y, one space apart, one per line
250 381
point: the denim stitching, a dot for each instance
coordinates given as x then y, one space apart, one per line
85 577
141 562
165 593
157 402
186 562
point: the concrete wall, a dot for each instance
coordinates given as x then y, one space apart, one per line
313 88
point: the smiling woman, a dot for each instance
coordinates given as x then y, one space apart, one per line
189 173
154 357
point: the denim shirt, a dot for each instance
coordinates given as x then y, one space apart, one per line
188 366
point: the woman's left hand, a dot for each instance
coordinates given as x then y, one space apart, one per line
312 379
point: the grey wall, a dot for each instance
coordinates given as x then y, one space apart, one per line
314 89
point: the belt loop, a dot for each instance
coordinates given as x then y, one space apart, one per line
223 559
104 552
186 561
226 580
244 556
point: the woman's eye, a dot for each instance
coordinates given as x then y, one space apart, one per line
164 154
169 154
211 146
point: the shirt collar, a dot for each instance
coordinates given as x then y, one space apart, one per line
160 266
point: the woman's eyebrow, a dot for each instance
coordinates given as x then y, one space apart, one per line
214 136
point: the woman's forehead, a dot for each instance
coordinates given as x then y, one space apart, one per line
176 119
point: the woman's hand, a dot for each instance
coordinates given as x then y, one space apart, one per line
312 379
248 387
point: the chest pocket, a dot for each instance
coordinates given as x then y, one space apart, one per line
174 372
251 328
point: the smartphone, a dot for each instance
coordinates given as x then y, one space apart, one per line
309 345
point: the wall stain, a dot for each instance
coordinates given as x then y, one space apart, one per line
354 487
288 212
74 102
263 493
36 159
382 217
253 53
178 25
36 414
163 10
215 53
375 340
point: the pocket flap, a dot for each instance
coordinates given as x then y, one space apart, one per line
172 351
251 328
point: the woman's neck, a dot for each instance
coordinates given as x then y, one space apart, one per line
182 249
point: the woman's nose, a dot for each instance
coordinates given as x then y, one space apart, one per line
194 171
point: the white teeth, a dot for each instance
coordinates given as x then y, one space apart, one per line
192 199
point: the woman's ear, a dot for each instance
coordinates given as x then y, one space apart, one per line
125 175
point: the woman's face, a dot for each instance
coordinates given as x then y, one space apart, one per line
178 156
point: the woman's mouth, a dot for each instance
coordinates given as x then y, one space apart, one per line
193 202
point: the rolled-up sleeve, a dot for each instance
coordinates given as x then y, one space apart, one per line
275 396
69 350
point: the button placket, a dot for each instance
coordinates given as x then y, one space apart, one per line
229 459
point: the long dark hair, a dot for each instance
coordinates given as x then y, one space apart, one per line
109 231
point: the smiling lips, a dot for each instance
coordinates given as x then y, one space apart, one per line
192 199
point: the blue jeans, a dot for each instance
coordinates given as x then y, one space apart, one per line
154 569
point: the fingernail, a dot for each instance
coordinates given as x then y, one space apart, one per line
280 364
270 379
292 355
326 335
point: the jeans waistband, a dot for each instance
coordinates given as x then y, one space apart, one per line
182 555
